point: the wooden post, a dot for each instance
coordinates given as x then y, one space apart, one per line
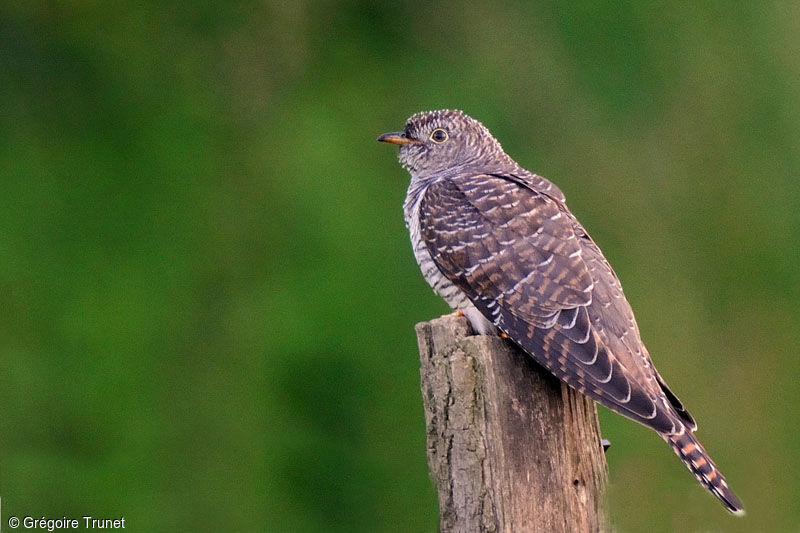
510 447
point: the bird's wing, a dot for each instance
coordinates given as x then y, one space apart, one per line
501 240
516 255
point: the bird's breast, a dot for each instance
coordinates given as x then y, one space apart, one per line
454 297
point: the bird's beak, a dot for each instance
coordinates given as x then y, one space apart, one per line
397 137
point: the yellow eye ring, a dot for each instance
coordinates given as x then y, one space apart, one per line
439 136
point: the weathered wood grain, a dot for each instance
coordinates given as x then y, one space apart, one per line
510 447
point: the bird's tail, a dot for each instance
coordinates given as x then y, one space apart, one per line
697 460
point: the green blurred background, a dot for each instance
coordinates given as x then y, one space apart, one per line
208 295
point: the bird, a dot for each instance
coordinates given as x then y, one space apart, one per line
499 244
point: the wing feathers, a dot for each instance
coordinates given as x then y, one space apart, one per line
521 259
495 233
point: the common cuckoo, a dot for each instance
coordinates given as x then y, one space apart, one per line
499 244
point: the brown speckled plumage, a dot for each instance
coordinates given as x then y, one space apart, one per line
499 243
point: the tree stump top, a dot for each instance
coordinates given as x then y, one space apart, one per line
510 447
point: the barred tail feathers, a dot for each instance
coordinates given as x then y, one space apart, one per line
688 448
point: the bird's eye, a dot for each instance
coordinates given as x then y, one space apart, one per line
439 135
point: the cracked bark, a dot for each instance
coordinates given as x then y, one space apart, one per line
510 447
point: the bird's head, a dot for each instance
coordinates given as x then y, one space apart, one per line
435 141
